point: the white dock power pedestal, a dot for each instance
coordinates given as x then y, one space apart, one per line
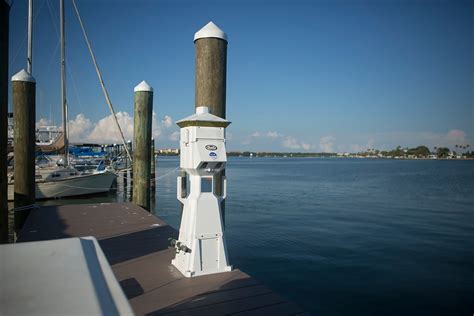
201 247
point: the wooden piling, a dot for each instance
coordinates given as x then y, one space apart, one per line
211 69
211 78
4 32
142 144
24 116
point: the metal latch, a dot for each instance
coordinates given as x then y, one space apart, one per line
179 246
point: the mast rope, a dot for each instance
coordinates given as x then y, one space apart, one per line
104 89
120 174
68 68
12 61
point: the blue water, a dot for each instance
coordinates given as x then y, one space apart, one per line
349 236
346 236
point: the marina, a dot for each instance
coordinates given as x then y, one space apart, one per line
157 269
314 160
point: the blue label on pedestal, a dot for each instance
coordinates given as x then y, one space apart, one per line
213 155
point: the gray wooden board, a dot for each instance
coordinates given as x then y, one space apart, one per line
136 245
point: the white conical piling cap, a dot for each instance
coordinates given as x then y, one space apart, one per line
143 86
210 30
23 75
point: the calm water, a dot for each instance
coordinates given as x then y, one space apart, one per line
348 236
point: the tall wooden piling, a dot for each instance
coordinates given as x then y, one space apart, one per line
211 78
211 69
4 30
24 116
142 144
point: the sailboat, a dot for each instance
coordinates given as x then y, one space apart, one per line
63 180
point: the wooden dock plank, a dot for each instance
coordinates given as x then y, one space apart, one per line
285 308
136 245
217 297
231 306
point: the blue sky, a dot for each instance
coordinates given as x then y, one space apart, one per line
302 75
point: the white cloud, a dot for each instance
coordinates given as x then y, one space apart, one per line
175 136
262 140
326 144
157 126
273 134
82 129
79 128
269 134
106 131
360 148
291 142
355 148
253 138
457 137
167 121
43 122
256 134
274 141
410 139
390 140
370 143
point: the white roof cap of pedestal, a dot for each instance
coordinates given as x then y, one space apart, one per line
23 75
210 30
202 117
143 86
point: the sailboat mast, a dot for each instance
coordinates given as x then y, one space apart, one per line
63 85
29 61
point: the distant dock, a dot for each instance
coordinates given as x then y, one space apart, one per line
135 243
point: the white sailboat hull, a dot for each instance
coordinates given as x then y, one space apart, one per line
72 186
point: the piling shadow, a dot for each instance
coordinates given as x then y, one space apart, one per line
244 296
43 224
131 287
137 244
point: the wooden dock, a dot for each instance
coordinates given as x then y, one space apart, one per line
135 243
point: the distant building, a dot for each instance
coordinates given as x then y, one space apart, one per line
169 151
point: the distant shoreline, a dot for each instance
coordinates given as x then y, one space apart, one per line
419 152
327 156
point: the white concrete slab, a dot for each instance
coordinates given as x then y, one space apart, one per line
59 277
